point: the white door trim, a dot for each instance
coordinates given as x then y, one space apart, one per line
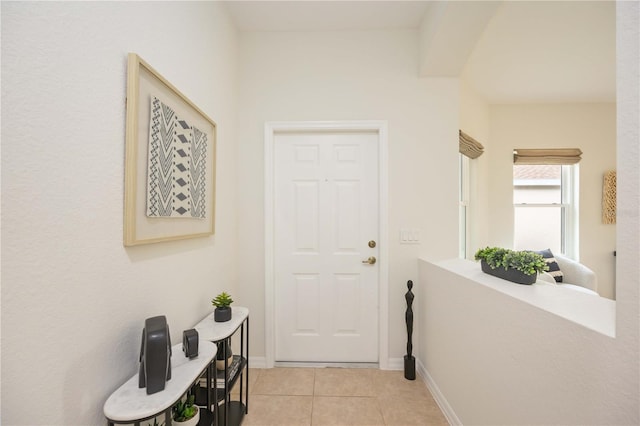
270 129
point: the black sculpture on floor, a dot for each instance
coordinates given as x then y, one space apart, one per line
409 360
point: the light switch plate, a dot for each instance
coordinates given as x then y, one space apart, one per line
409 236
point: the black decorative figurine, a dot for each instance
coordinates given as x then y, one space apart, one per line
409 360
190 343
155 355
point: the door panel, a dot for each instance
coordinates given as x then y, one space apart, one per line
326 211
307 288
306 232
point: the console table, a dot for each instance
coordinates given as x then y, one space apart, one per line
226 411
131 404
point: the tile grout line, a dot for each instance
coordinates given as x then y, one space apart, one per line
384 421
313 398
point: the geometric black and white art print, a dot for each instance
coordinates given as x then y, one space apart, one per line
176 170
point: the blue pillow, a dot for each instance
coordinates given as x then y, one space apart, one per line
554 268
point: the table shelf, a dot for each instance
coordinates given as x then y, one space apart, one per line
217 332
130 404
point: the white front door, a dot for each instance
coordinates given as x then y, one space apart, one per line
325 222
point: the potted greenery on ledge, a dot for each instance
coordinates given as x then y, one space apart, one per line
222 302
520 267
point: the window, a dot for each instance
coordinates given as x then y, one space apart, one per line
463 209
469 149
545 199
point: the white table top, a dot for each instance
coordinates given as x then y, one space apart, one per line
213 331
129 402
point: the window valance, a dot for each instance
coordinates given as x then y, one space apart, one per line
547 156
469 146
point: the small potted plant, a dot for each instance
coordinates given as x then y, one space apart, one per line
520 267
185 413
222 302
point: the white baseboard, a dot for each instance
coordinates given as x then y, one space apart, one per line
296 364
395 364
442 402
257 362
392 363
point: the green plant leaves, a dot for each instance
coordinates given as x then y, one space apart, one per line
222 300
184 410
524 261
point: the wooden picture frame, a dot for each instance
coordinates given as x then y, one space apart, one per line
144 223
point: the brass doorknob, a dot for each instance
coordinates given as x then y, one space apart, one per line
371 260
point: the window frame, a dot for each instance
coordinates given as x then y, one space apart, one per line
463 205
569 208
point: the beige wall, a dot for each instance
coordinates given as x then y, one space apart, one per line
367 75
74 300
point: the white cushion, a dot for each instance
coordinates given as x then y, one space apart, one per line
577 273
546 277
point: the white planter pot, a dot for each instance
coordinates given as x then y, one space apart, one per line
193 421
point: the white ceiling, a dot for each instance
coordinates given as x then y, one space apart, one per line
530 51
550 51
325 15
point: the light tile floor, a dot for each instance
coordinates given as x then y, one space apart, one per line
338 396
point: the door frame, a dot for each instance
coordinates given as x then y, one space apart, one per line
270 131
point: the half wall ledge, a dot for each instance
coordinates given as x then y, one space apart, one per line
593 312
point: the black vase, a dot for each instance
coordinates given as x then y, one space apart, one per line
222 314
512 275
224 348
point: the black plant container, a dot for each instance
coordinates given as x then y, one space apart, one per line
222 314
512 275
